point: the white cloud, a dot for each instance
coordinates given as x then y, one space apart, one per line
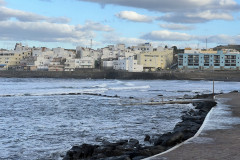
181 11
224 39
174 26
2 2
227 2
133 16
209 15
7 13
17 25
44 32
165 35
173 5
40 31
116 39
195 17
90 25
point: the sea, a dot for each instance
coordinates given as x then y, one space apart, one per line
42 118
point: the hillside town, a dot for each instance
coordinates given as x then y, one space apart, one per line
140 58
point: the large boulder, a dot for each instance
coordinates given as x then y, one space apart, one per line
80 152
162 138
175 138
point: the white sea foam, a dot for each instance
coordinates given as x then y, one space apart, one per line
130 88
104 85
129 84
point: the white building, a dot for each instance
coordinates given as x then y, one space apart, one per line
109 53
107 64
57 64
69 65
123 64
86 62
44 56
144 47
115 65
113 52
88 52
43 59
127 64
133 66
20 47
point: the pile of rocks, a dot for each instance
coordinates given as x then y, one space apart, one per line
132 150
121 150
188 127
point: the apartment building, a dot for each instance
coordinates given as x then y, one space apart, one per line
69 65
133 65
43 58
209 61
86 62
159 58
143 47
129 64
11 59
88 52
57 64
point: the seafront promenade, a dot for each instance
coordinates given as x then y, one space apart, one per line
219 138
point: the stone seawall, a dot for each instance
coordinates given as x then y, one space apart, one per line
111 74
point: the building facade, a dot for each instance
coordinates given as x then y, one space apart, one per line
86 62
202 61
158 59
11 59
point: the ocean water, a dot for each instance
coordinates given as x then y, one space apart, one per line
42 118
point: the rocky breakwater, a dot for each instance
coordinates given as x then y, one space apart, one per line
132 150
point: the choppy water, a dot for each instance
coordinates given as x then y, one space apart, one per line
41 118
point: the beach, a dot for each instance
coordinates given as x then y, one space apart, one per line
214 142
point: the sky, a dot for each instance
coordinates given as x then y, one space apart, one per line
72 23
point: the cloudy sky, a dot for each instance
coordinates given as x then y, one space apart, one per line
71 23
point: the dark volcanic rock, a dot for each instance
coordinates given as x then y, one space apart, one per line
147 138
133 142
123 157
188 127
139 158
80 152
203 96
170 139
175 138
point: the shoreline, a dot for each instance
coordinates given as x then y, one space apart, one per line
113 74
131 149
219 138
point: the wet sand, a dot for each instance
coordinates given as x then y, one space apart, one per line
219 144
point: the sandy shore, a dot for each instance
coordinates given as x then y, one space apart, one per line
220 136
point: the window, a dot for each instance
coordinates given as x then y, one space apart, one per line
216 60
206 60
180 60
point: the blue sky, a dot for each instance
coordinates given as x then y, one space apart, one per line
71 23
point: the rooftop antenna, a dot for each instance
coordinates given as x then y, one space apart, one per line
91 43
206 43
